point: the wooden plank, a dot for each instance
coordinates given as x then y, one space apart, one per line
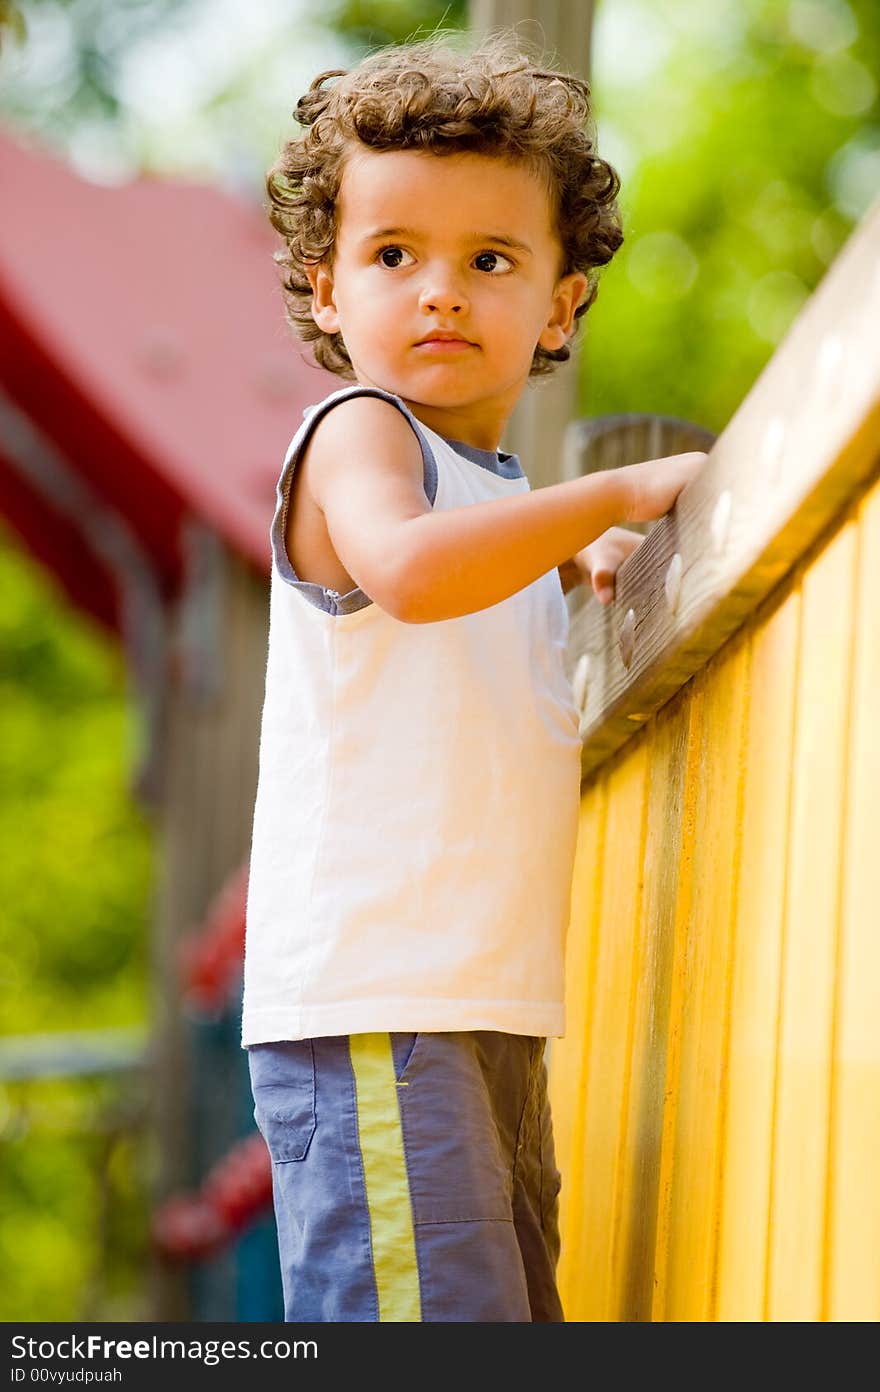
636 1234
799 448
677 996
536 430
209 755
691 1257
852 1277
568 1079
609 1051
610 442
748 1140
800 1155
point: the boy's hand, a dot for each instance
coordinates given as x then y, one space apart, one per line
598 563
652 487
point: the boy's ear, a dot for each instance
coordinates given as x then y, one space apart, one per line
566 297
324 310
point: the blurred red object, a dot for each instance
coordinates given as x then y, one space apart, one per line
114 359
210 960
189 1227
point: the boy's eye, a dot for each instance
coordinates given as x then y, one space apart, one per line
392 257
494 257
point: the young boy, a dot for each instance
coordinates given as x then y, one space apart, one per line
416 815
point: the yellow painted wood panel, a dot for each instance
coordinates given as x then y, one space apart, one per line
797 1210
668 837
751 1074
718 1093
568 1074
678 951
853 1228
693 1219
609 1043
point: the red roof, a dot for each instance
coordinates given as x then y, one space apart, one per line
142 334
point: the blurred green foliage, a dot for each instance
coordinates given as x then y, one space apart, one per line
75 887
373 23
76 871
747 135
747 154
12 25
73 1174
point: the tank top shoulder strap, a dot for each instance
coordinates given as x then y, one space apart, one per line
320 596
312 414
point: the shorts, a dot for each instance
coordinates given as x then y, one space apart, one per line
413 1176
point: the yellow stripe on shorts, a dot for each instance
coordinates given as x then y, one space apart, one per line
388 1201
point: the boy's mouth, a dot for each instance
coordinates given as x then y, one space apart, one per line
439 340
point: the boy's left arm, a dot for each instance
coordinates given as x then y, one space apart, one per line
598 563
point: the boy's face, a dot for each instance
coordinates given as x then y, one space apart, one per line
459 244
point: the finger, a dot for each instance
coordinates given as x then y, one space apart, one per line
603 584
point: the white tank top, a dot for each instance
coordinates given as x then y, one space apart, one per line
417 804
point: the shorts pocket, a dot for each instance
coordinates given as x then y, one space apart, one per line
405 1049
283 1086
456 1140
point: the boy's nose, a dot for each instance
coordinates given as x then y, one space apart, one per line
442 299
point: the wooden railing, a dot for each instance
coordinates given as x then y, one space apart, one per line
717 1094
803 442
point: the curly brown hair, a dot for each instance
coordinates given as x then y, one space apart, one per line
438 96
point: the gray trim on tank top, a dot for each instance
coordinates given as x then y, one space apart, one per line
322 596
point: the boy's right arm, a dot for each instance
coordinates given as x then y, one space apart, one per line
423 565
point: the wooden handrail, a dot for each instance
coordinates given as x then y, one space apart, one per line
804 441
